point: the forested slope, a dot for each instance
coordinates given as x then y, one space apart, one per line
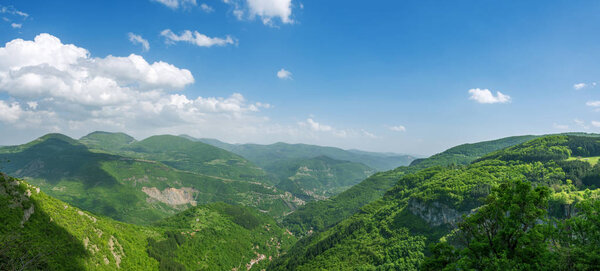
320 215
424 206
39 232
130 189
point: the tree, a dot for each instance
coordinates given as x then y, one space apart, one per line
508 232
577 239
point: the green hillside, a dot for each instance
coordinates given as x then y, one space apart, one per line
179 153
220 237
319 177
425 206
107 141
129 189
320 215
39 232
264 155
466 153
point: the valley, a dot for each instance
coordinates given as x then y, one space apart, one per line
186 205
291 135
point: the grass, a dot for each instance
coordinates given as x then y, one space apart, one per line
593 160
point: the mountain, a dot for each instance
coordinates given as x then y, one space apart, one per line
316 216
107 141
133 189
264 155
39 232
319 177
425 206
179 153
466 153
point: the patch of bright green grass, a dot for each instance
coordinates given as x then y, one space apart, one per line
592 160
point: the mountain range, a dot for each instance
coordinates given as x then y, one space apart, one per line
108 201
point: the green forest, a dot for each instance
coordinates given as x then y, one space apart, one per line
170 203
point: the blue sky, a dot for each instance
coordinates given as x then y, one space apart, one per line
384 76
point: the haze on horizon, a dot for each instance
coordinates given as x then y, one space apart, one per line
405 76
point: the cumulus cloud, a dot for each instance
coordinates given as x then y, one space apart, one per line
269 9
206 8
61 87
397 128
16 25
266 10
284 74
174 4
50 86
195 38
45 67
137 39
485 96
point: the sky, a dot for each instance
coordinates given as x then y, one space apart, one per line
411 77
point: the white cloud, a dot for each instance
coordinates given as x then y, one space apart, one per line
65 79
284 74
595 123
269 9
137 39
12 11
13 16
368 134
593 103
46 68
397 128
485 96
10 112
560 126
206 8
317 127
174 4
266 10
60 88
195 38
579 86
50 86
33 104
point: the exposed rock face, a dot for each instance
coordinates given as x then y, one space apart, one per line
172 196
116 250
27 214
435 213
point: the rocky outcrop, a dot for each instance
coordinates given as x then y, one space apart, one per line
27 214
435 213
116 250
172 196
